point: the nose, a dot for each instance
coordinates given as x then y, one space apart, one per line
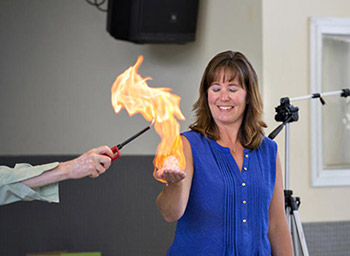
224 96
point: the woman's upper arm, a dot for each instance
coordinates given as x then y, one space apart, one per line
276 210
189 164
279 234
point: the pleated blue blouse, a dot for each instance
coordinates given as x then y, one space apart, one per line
228 209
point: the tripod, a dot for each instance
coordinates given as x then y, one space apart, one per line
287 113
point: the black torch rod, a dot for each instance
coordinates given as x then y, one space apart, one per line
119 146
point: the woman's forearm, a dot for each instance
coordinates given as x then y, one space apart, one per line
172 201
280 239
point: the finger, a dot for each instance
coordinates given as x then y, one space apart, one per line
182 174
99 168
168 175
104 150
95 174
160 174
173 176
173 172
104 160
170 171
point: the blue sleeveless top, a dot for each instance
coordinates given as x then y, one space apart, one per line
228 210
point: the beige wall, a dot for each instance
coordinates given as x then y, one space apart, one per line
58 64
286 73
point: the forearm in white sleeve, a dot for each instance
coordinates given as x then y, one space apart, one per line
12 190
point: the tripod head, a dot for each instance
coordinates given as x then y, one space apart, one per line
286 113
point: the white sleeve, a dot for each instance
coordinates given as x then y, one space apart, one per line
12 190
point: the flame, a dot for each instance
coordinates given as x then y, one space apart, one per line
131 91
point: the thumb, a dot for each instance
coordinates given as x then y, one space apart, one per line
159 174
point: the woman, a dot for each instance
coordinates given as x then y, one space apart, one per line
229 199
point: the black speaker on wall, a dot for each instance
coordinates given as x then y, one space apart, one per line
153 21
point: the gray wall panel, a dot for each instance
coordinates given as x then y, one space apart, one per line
115 213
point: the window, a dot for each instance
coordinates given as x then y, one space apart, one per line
330 124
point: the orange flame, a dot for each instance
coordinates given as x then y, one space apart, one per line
131 91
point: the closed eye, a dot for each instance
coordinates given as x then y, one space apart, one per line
215 87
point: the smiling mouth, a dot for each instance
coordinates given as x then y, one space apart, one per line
225 108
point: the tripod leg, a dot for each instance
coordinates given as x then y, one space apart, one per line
293 218
292 230
300 232
295 238
289 218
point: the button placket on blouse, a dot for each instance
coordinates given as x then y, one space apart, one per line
244 188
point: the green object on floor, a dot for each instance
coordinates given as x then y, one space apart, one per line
66 254
81 254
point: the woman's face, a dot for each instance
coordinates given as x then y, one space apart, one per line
227 101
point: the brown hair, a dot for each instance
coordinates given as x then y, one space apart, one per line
235 64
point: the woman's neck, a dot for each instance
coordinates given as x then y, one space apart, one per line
229 138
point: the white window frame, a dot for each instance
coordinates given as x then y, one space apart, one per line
318 27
